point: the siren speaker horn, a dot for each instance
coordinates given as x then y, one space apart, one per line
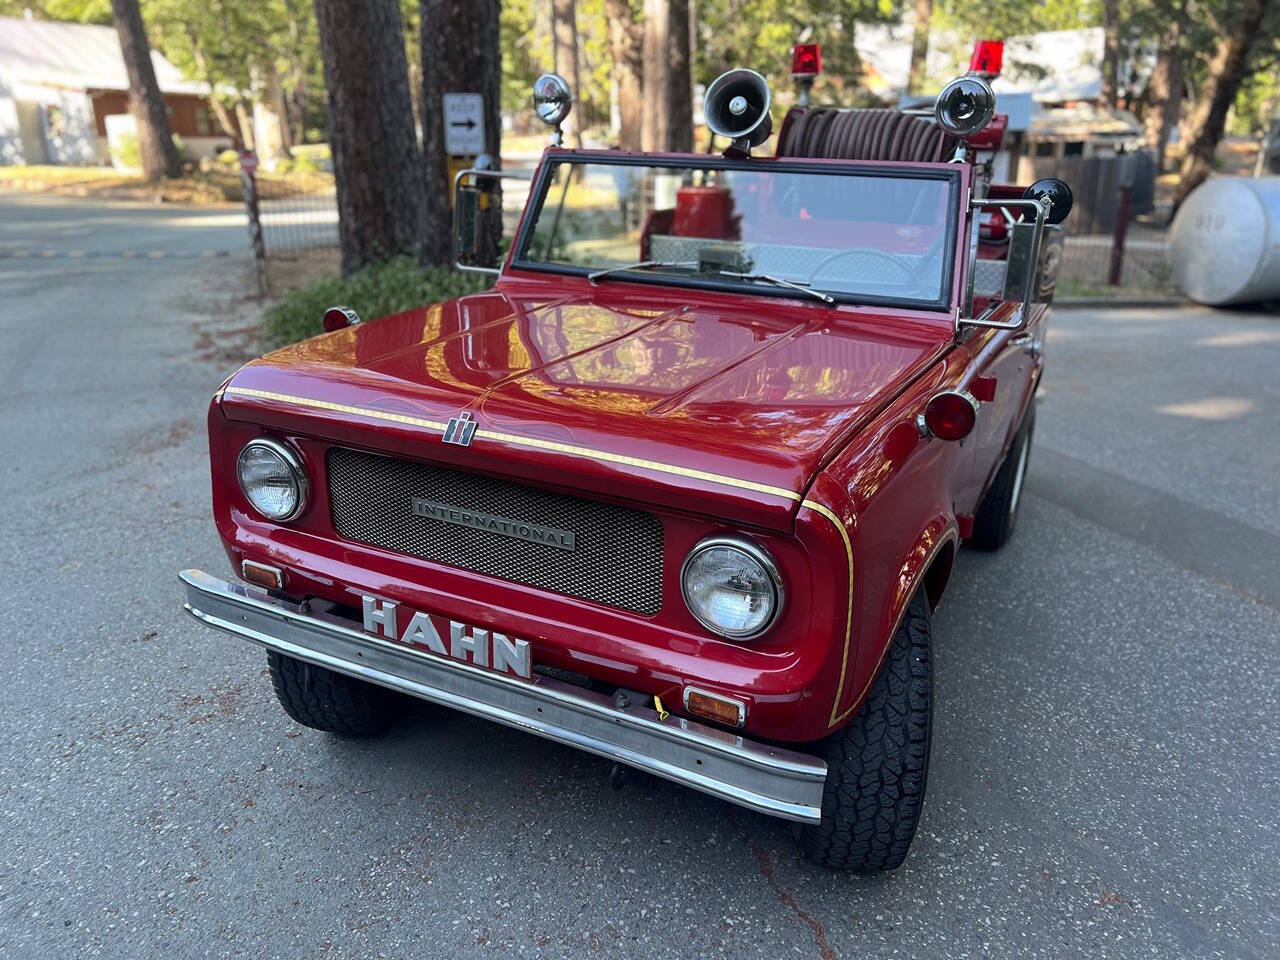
736 106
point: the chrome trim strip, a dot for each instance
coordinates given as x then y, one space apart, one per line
753 775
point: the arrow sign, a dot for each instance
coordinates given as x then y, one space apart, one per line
463 124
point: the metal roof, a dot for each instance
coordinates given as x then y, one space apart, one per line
78 56
1057 66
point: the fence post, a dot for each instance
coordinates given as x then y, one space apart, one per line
1117 239
249 183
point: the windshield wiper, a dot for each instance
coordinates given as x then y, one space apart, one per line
779 282
642 265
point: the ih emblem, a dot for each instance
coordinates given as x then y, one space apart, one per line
460 430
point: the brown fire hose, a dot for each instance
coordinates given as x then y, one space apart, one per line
880 135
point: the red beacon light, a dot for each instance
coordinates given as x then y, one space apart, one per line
949 415
987 59
339 318
806 60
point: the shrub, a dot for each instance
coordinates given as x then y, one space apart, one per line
126 152
229 158
375 291
303 163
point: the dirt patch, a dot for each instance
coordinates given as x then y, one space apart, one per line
222 703
287 274
217 187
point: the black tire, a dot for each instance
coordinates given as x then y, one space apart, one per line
878 765
997 515
324 700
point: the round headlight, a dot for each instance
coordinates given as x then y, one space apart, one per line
272 479
732 587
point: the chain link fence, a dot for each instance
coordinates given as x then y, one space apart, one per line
1114 247
295 222
1106 254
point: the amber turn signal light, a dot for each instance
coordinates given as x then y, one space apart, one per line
949 415
712 706
261 575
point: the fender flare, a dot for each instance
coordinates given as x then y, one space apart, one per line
938 535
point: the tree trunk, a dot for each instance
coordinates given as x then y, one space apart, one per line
225 123
219 109
275 99
679 136
1110 54
460 54
1166 91
626 42
919 46
564 32
1227 70
155 137
377 163
653 131
244 120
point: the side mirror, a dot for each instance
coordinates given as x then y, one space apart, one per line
466 221
1032 268
1027 280
473 204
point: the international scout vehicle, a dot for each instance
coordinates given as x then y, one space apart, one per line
683 488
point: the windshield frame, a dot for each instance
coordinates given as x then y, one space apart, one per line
948 173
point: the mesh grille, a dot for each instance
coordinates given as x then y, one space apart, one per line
617 560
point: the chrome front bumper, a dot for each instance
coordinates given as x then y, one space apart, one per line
754 775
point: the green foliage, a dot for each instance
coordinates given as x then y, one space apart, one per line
125 152
760 33
525 32
303 163
82 11
376 291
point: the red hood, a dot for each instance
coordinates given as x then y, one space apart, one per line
727 405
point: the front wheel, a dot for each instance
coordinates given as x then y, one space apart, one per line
333 702
877 766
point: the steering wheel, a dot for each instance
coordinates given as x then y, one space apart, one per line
907 270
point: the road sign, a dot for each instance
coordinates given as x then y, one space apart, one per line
249 162
463 124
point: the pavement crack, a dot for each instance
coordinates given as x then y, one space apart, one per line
789 901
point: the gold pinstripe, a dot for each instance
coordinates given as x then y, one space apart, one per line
947 537
848 625
607 457
600 455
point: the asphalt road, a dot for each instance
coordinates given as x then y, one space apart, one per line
1105 768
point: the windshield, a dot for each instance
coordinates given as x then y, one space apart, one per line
849 234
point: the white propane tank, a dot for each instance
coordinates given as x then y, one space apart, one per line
1226 241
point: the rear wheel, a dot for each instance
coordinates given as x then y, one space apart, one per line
333 702
877 766
998 513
